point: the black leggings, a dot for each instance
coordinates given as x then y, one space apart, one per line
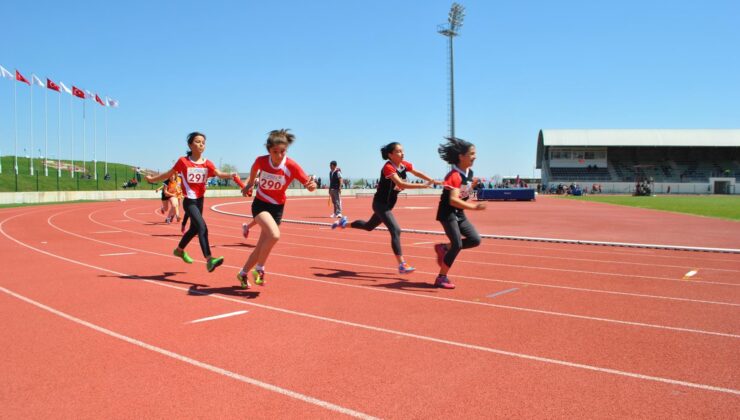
382 213
456 227
194 209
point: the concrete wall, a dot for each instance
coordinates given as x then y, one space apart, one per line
61 196
659 187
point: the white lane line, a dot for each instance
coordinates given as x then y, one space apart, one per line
424 243
122 220
578 289
211 318
108 231
115 254
196 363
503 292
377 329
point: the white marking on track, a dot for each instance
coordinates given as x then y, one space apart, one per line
212 318
423 243
379 329
197 363
690 274
116 254
108 231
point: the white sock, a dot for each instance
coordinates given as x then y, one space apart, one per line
259 267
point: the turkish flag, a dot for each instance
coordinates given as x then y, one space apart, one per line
98 100
78 93
51 85
19 77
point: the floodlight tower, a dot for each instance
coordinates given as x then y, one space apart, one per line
451 30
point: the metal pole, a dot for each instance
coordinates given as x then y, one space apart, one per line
15 125
452 91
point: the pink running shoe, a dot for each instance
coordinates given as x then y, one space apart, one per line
443 282
245 230
441 250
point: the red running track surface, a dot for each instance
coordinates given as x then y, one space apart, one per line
97 319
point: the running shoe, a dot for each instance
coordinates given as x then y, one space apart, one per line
339 215
243 279
182 254
259 277
168 220
333 216
214 262
443 282
405 268
441 250
342 223
245 230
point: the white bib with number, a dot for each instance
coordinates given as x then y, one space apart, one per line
270 181
197 175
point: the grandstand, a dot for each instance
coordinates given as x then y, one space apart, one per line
674 161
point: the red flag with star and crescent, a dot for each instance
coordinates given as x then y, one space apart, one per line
19 77
78 92
98 100
51 85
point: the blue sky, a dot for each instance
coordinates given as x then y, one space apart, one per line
350 76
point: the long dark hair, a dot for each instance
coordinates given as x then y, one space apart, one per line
388 149
192 137
451 150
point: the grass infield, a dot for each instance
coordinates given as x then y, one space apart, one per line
720 206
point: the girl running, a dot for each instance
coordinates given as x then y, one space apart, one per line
392 181
458 187
194 170
173 191
276 171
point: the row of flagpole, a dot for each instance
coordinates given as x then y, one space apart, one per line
74 92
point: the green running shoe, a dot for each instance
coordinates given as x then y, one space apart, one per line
243 279
213 263
184 255
259 277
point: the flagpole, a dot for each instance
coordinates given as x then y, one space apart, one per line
59 136
46 131
95 142
72 119
15 122
84 140
106 135
31 161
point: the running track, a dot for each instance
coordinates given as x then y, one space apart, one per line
97 318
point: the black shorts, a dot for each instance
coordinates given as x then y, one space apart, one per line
276 210
164 197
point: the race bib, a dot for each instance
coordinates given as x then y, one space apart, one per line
197 175
271 181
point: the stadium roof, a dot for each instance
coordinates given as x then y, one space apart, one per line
636 138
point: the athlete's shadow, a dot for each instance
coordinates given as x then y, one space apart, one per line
164 277
349 274
228 291
237 245
407 285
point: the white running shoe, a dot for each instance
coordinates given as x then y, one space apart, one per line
245 230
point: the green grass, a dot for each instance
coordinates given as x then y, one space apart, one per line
720 206
119 174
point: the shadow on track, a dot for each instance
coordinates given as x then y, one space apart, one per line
164 277
227 291
349 274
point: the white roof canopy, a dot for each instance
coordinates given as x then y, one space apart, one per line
636 138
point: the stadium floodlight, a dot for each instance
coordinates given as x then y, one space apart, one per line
451 30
